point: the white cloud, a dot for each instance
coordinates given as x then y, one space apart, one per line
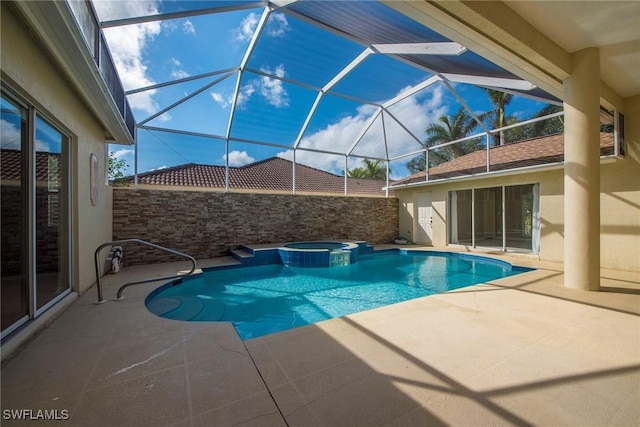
334 137
272 89
245 94
42 147
415 113
238 158
277 26
122 153
179 74
177 71
158 168
10 136
247 27
220 99
127 44
188 27
164 117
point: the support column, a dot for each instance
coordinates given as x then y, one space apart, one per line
582 172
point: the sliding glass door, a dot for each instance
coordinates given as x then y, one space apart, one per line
13 268
35 214
505 218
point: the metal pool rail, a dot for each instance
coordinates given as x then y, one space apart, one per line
136 282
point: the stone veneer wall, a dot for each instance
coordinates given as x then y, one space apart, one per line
206 224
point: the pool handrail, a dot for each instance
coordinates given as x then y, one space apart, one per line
137 282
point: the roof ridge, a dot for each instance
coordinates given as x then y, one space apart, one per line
290 162
259 162
163 170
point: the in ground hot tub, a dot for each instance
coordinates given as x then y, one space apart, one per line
319 254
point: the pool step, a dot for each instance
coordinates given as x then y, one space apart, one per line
364 248
250 256
242 255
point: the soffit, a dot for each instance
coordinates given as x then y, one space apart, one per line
611 26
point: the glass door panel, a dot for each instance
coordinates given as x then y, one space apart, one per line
460 214
519 216
488 217
13 137
50 215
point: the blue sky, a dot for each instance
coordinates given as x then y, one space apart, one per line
48 139
268 110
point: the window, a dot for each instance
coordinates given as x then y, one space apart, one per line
506 217
619 134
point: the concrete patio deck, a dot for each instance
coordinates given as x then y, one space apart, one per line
522 350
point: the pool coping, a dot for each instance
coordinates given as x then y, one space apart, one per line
338 360
178 281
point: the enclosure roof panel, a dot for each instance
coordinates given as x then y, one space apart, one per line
325 77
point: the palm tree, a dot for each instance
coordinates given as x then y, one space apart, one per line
498 117
373 169
448 128
537 129
550 126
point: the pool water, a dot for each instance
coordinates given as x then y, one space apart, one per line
272 298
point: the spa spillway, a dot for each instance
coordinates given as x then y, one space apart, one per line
319 254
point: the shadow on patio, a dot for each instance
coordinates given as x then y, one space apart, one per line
518 351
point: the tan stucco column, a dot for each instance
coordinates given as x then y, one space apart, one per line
582 172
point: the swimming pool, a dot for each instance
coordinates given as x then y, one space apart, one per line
272 298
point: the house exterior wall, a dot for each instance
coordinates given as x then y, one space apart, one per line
207 224
620 199
619 203
551 207
29 72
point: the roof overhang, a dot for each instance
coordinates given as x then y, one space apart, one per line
486 175
54 26
497 33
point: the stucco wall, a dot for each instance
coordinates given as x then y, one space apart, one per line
619 204
29 72
205 224
620 200
551 208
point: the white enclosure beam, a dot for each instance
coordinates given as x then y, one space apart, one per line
364 130
182 14
178 81
412 91
186 98
346 70
493 82
436 48
307 120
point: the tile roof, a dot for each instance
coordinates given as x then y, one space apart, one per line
533 152
10 166
272 174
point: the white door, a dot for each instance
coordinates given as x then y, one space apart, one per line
425 220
